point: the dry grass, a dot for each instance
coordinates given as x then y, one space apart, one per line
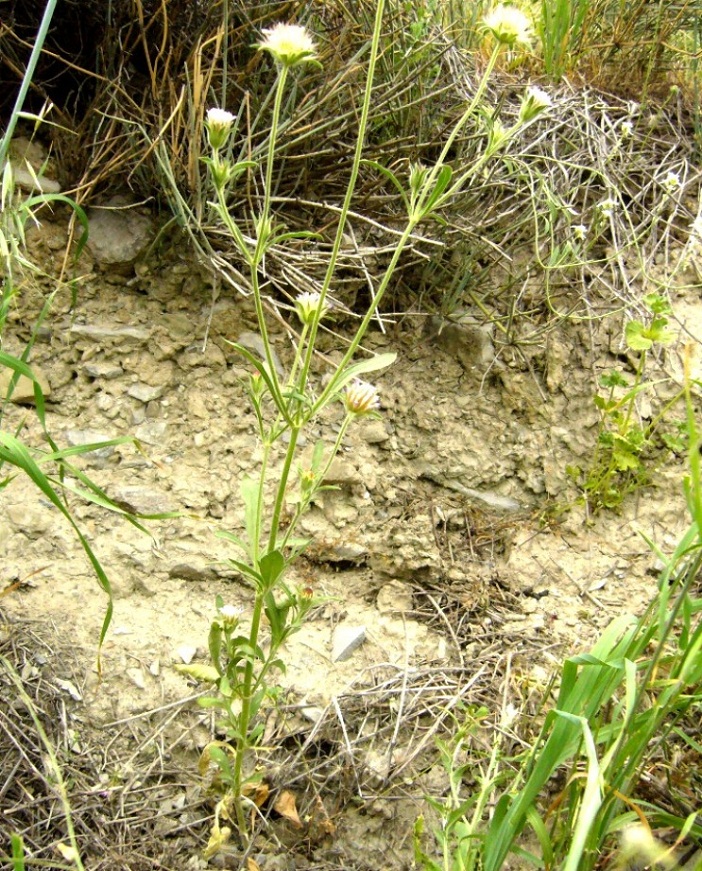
155 73
134 802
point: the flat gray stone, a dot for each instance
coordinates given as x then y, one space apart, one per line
23 393
143 500
34 182
189 572
343 473
151 432
346 640
87 437
118 234
144 392
373 432
114 333
103 371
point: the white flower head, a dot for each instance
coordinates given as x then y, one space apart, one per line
219 124
361 397
671 182
696 230
579 232
626 129
638 843
534 102
307 305
230 614
509 25
607 207
289 44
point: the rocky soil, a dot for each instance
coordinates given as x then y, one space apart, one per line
437 552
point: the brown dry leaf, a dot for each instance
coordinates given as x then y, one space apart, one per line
325 825
252 865
285 806
258 792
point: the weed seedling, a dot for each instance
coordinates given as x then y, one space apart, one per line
622 461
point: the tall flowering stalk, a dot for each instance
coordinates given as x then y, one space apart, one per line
284 404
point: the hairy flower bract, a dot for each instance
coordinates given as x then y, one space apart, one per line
535 101
361 397
289 44
307 304
219 124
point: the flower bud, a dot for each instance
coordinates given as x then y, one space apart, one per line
361 398
230 614
535 101
222 171
307 305
607 207
219 124
671 182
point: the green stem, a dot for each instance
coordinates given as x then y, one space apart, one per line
225 52
256 543
323 474
262 240
268 350
624 429
298 356
242 743
350 188
436 169
361 331
275 123
651 428
282 487
231 224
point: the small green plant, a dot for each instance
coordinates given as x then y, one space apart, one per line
622 460
286 403
461 814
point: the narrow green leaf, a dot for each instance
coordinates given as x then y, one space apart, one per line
391 177
249 493
363 367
